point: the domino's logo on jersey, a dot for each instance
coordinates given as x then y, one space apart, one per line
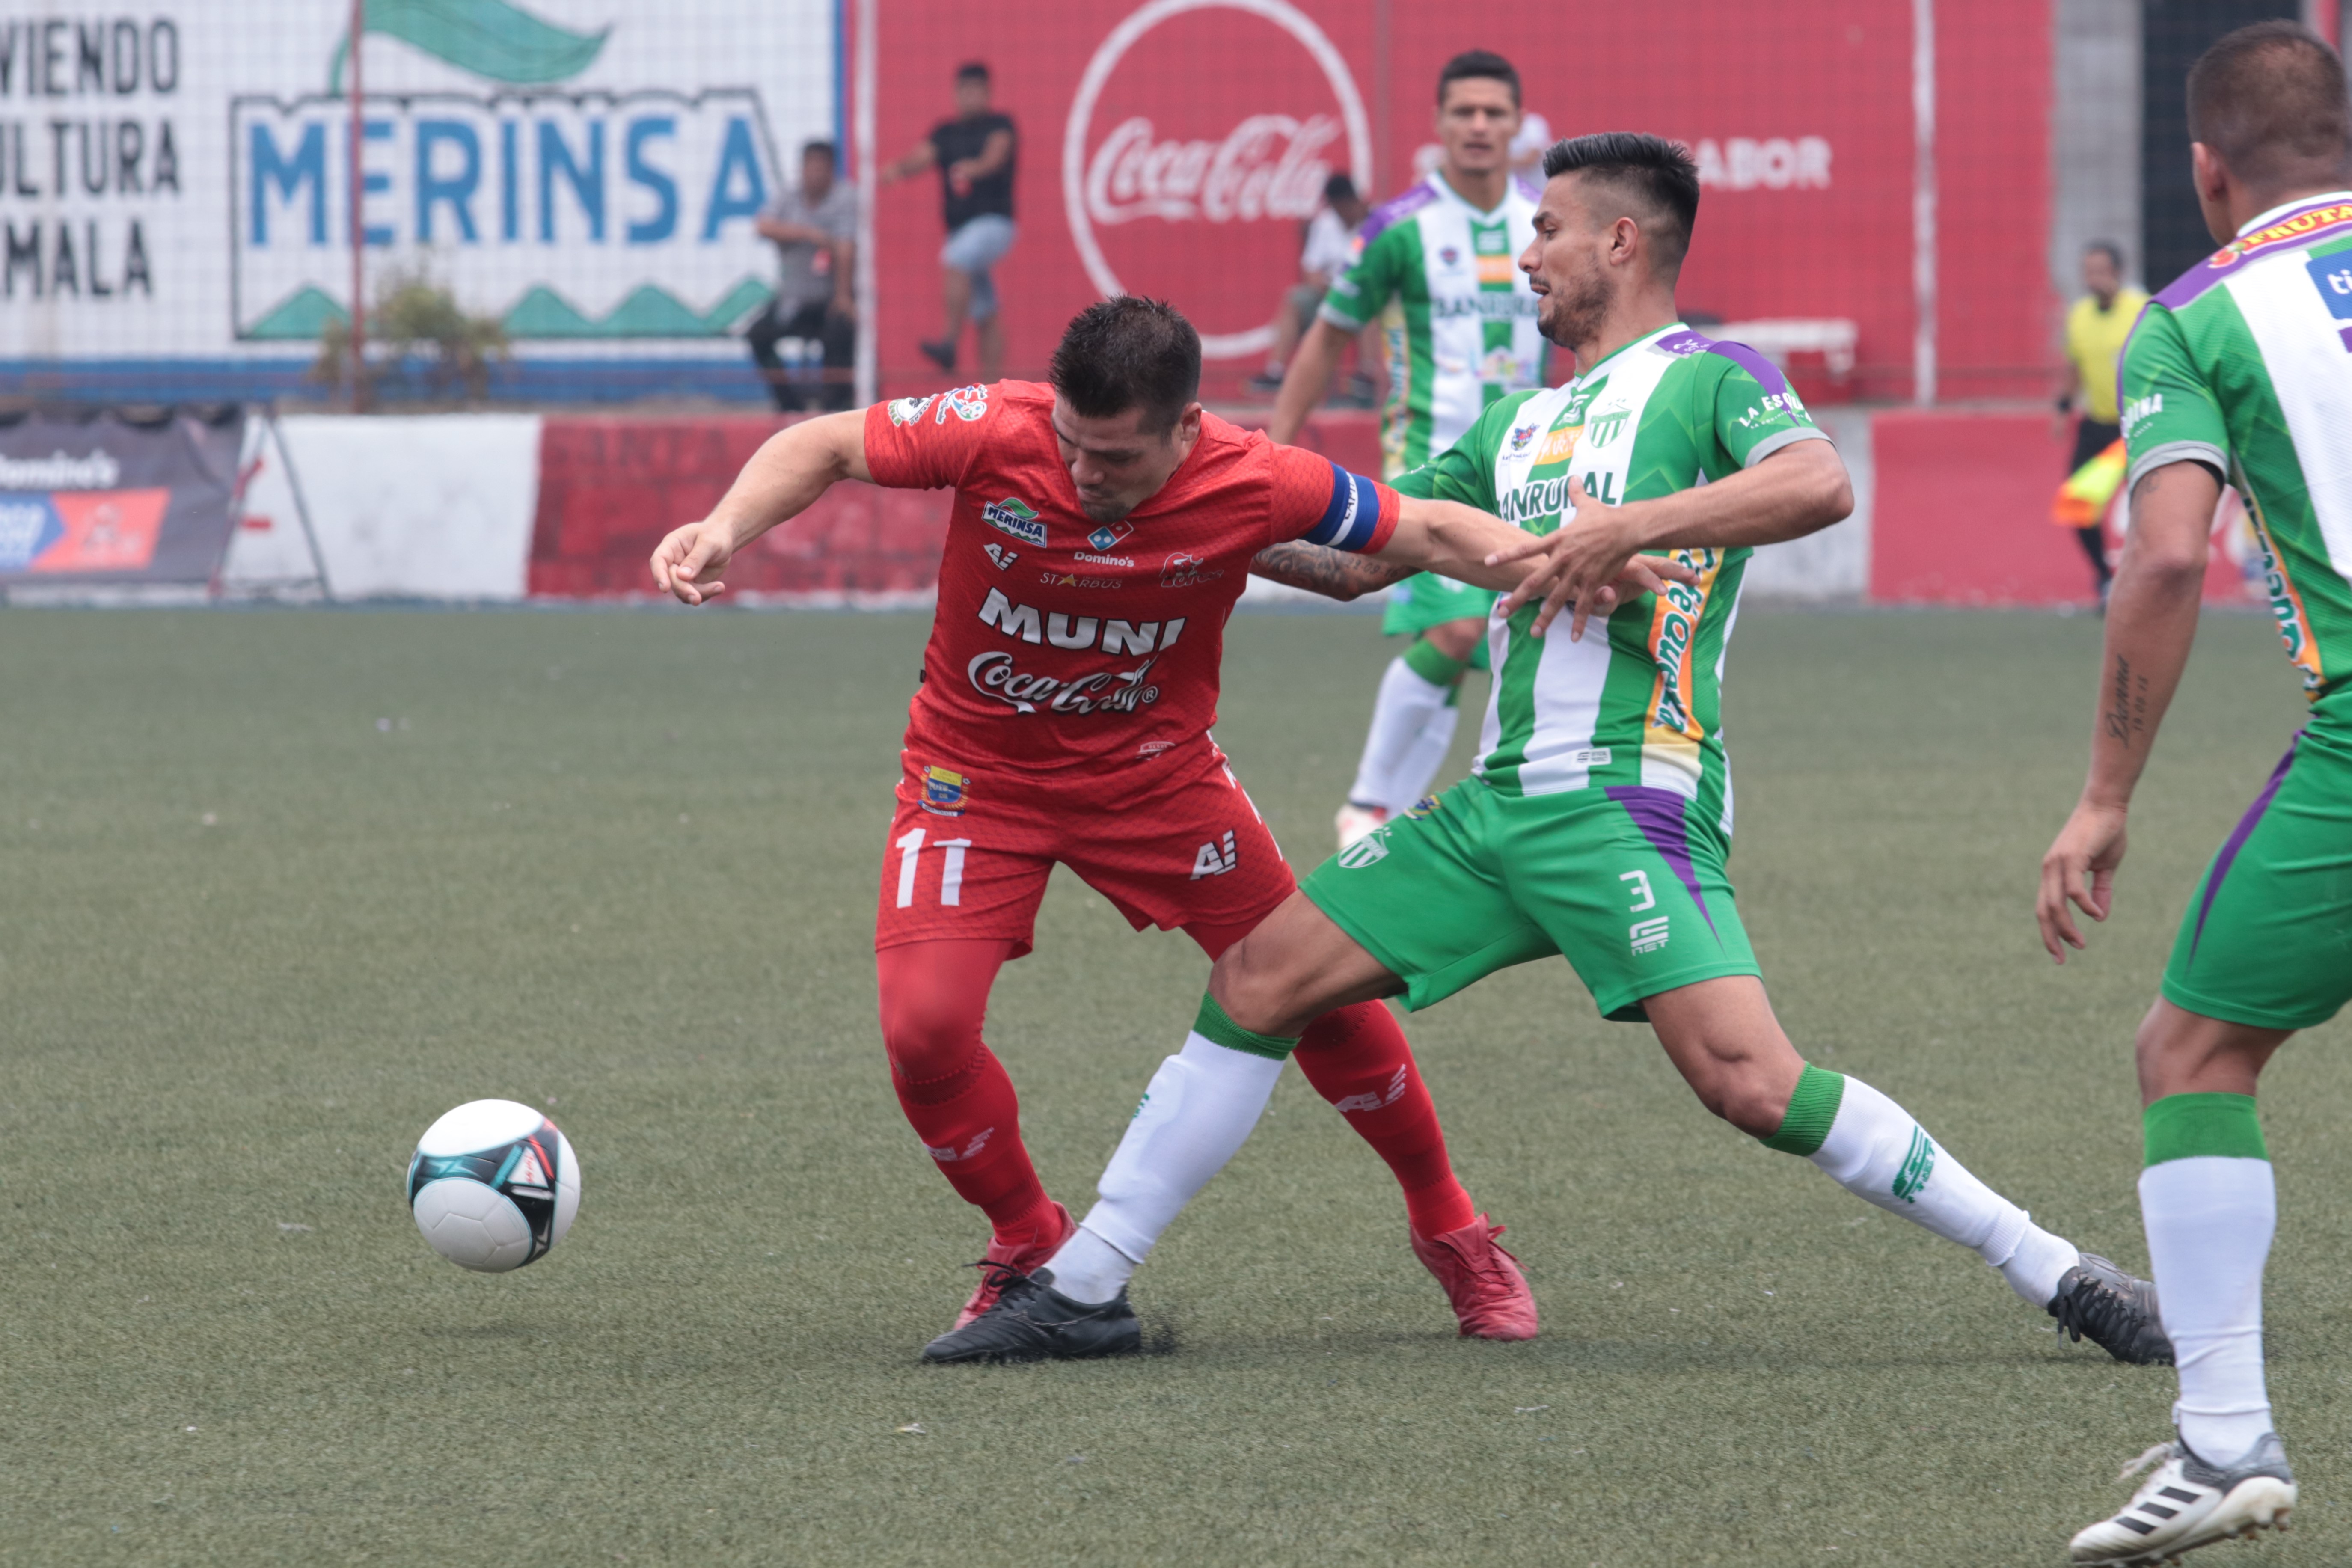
2333 276
1109 534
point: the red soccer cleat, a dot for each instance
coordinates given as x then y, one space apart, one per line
1490 1296
1025 1258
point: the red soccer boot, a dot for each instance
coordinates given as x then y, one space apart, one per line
1490 1296
1027 1258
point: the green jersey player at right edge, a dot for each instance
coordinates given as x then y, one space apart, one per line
1433 267
1599 822
2240 372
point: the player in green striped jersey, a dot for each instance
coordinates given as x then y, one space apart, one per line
2239 373
1598 823
1434 269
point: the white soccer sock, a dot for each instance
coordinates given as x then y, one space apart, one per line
1417 769
1406 706
2210 1220
1876 1152
1195 1116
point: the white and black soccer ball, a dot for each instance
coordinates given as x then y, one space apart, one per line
493 1184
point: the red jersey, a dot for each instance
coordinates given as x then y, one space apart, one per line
1060 641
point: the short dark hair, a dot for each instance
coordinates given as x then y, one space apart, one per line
819 144
1649 170
2270 99
972 70
2109 249
1339 189
1481 63
1129 352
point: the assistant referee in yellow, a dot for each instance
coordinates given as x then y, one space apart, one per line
2096 328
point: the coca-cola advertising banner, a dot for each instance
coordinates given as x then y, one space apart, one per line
1177 148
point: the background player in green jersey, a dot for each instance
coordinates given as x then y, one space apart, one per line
1434 268
1598 823
2241 371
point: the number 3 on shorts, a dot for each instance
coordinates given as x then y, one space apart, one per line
1643 897
909 846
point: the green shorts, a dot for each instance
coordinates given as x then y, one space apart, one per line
1420 602
2267 940
1622 882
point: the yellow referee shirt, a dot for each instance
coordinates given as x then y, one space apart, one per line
2094 340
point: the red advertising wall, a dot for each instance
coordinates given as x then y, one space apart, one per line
1172 147
610 487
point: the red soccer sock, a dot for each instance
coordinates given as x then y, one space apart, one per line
1357 1058
956 1094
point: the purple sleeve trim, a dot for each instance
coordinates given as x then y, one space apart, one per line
1405 206
1768 375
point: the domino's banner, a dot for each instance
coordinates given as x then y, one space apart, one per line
177 186
104 501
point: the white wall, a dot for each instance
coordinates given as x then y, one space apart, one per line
422 507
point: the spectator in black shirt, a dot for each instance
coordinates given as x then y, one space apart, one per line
974 154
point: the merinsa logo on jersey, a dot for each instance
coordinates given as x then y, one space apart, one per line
1077 632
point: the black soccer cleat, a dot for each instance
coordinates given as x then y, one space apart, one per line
2099 1301
1032 1321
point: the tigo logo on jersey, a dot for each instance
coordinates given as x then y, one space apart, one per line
1650 935
2333 274
1109 534
943 791
1016 517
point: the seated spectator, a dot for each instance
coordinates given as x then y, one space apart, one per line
1330 246
814 231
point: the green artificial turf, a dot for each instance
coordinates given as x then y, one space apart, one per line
277 888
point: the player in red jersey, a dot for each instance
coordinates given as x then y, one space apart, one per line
1103 527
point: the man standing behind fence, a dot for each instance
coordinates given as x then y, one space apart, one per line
814 231
2095 330
974 154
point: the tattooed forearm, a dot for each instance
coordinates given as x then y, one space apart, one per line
1334 573
2124 712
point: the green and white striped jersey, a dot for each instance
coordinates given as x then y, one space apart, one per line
1442 278
2245 364
1641 706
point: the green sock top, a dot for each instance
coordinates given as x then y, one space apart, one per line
1812 1108
2186 1126
1212 1023
1424 659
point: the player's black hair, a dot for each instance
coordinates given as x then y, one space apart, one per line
819 144
1484 63
1338 188
972 70
2270 99
1648 171
1129 352
2109 249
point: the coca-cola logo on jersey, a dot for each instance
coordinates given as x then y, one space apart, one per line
1180 174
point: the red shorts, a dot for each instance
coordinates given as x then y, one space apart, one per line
1171 842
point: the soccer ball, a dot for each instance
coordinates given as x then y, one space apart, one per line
493 1184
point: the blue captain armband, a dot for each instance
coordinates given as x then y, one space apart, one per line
1352 521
